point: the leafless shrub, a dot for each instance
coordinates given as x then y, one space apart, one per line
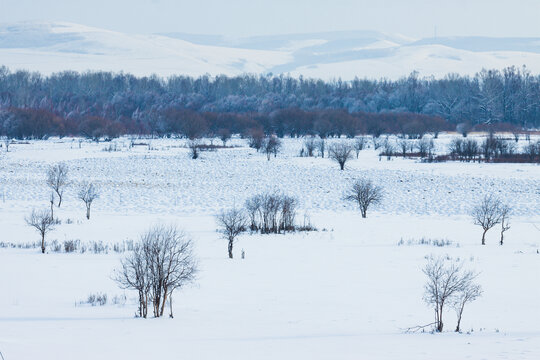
310 145
425 147
427 241
387 149
321 146
255 139
88 192
359 144
71 245
364 193
231 224
340 153
162 262
224 135
193 146
57 179
404 146
271 145
97 299
447 284
377 142
271 213
7 141
43 222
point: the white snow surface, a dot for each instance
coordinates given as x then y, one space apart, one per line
346 291
58 46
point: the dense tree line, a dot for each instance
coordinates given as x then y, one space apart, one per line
97 104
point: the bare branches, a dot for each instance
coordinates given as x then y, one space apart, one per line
505 221
193 149
271 145
364 193
232 223
43 222
57 179
488 213
340 153
162 262
469 293
418 328
447 283
88 192
271 212
359 144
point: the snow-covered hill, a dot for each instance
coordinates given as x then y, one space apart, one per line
51 47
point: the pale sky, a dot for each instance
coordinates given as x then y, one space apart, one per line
415 18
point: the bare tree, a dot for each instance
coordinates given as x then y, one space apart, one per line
231 223
364 193
404 145
256 139
446 280
340 153
193 149
7 142
224 135
43 222
88 192
505 221
321 145
359 144
134 275
467 294
161 263
487 214
271 145
57 179
310 145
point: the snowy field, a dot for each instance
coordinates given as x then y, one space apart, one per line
346 291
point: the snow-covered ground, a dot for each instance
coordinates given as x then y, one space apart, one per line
346 291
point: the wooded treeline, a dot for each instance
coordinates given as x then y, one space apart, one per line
97 104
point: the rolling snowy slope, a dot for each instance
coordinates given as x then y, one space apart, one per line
52 47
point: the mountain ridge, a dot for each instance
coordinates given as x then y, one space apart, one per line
56 46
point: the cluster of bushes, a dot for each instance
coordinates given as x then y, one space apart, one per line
77 246
426 241
492 149
271 213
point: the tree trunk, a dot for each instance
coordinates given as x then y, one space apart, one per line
341 165
459 317
230 248
163 303
502 238
484 237
364 213
440 319
88 212
59 199
43 243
